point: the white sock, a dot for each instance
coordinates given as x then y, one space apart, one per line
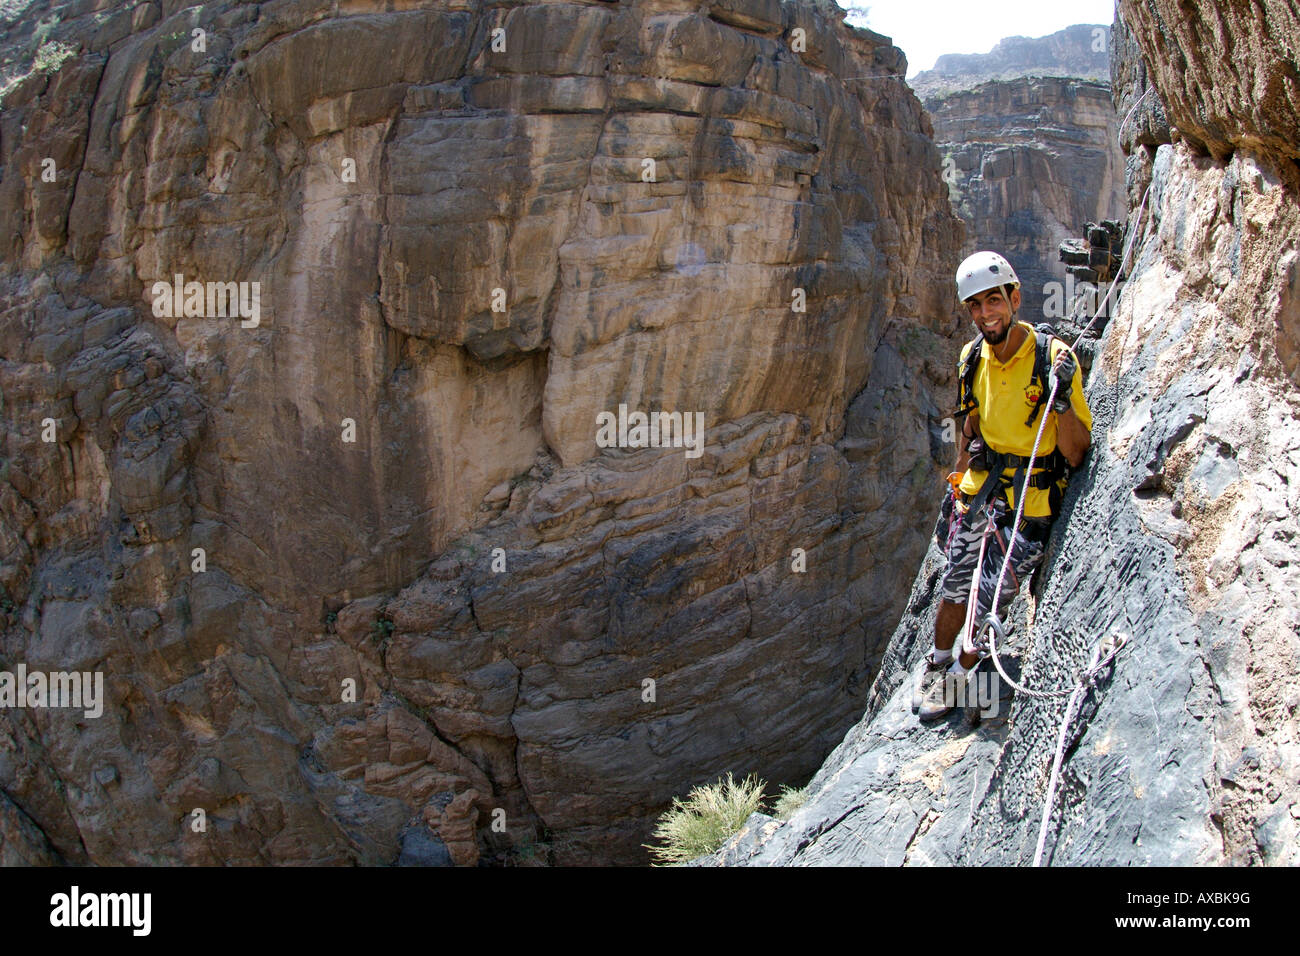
941 657
957 670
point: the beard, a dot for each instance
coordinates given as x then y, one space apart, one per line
996 338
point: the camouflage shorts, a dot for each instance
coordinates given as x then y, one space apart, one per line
963 549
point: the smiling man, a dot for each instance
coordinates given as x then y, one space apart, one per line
1005 377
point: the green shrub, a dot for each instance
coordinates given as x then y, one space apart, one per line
703 821
528 851
789 801
51 56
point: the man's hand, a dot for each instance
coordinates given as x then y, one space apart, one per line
1064 372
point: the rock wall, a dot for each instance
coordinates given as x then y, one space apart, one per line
1180 532
1077 52
360 582
1226 73
1031 150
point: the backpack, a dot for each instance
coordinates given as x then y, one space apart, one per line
1054 464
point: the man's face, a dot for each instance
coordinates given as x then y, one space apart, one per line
991 313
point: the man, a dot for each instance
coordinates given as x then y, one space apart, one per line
1002 407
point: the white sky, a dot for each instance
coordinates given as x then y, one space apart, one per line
926 29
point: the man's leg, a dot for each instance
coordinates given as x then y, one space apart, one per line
947 624
936 697
954 588
1027 549
961 553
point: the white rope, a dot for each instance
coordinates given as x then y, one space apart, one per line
1123 264
1009 547
1119 133
968 643
1098 662
972 599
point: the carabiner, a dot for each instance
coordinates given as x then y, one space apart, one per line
981 642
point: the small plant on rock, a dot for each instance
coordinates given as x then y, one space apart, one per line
788 802
382 628
703 821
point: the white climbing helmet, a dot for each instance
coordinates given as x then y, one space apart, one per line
982 271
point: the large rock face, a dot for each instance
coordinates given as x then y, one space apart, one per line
1030 159
1077 52
1244 95
427 606
1180 533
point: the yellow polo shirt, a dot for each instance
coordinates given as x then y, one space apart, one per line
1006 394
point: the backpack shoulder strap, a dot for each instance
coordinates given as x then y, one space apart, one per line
966 370
1044 334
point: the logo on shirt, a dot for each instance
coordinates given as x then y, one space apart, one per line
1032 393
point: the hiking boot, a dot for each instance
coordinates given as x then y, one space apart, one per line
941 698
929 673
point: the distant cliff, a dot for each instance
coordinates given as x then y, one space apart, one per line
1078 52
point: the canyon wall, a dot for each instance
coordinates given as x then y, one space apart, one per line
1077 52
361 583
1179 533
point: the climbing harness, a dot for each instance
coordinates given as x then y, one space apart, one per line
994 464
984 640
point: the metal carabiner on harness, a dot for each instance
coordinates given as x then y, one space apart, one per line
981 639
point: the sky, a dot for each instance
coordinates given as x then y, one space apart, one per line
926 29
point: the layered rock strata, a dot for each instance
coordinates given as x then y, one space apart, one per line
1080 52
